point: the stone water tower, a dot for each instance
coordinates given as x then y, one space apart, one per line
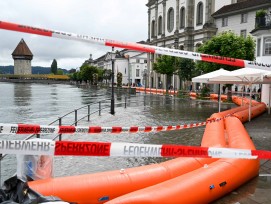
22 58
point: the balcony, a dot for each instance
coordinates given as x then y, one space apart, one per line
263 22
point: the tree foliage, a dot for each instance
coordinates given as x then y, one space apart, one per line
185 68
54 67
87 72
226 44
60 72
165 65
119 79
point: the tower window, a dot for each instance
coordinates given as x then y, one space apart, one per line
170 19
200 13
160 25
182 17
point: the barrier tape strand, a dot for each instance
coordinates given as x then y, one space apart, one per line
72 148
134 46
45 129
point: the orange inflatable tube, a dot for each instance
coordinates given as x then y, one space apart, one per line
205 184
255 111
99 187
104 186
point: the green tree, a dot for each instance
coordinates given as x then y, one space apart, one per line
54 67
165 65
100 72
119 79
226 44
107 74
60 72
95 79
87 71
185 69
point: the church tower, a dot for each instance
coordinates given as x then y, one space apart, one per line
22 58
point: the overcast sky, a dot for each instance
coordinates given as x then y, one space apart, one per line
123 20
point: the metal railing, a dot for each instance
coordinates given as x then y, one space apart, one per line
100 105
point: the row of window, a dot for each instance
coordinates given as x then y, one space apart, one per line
243 19
170 20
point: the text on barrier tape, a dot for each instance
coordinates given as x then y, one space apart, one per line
71 148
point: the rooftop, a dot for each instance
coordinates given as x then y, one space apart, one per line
244 5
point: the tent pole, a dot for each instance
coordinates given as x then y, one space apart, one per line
269 99
219 99
242 95
250 94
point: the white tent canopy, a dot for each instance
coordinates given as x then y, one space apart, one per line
205 77
243 76
247 76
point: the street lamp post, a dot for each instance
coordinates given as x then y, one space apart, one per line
113 55
129 85
145 73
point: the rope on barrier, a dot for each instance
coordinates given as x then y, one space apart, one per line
45 129
72 148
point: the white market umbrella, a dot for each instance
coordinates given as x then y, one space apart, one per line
247 76
206 77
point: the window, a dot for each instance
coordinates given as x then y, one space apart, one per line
259 47
197 46
137 60
160 24
243 33
244 18
170 19
145 61
225 22
267 46
153 28
181 47
137 72
182 17
200 13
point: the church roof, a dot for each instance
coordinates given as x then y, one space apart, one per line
22 50
241 6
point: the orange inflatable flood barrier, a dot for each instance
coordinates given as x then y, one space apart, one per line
181 180
205 184
94 188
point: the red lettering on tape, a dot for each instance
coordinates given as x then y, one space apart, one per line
184 151
116 129
66 129
82 148
28 129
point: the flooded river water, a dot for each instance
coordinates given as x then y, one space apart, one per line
43 103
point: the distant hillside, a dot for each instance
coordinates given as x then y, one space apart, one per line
35 70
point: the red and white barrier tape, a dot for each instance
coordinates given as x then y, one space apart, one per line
134 46
43 129
71 148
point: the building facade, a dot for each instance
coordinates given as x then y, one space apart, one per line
22 59
132 65
186 24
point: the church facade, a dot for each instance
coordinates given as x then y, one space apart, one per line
184 25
